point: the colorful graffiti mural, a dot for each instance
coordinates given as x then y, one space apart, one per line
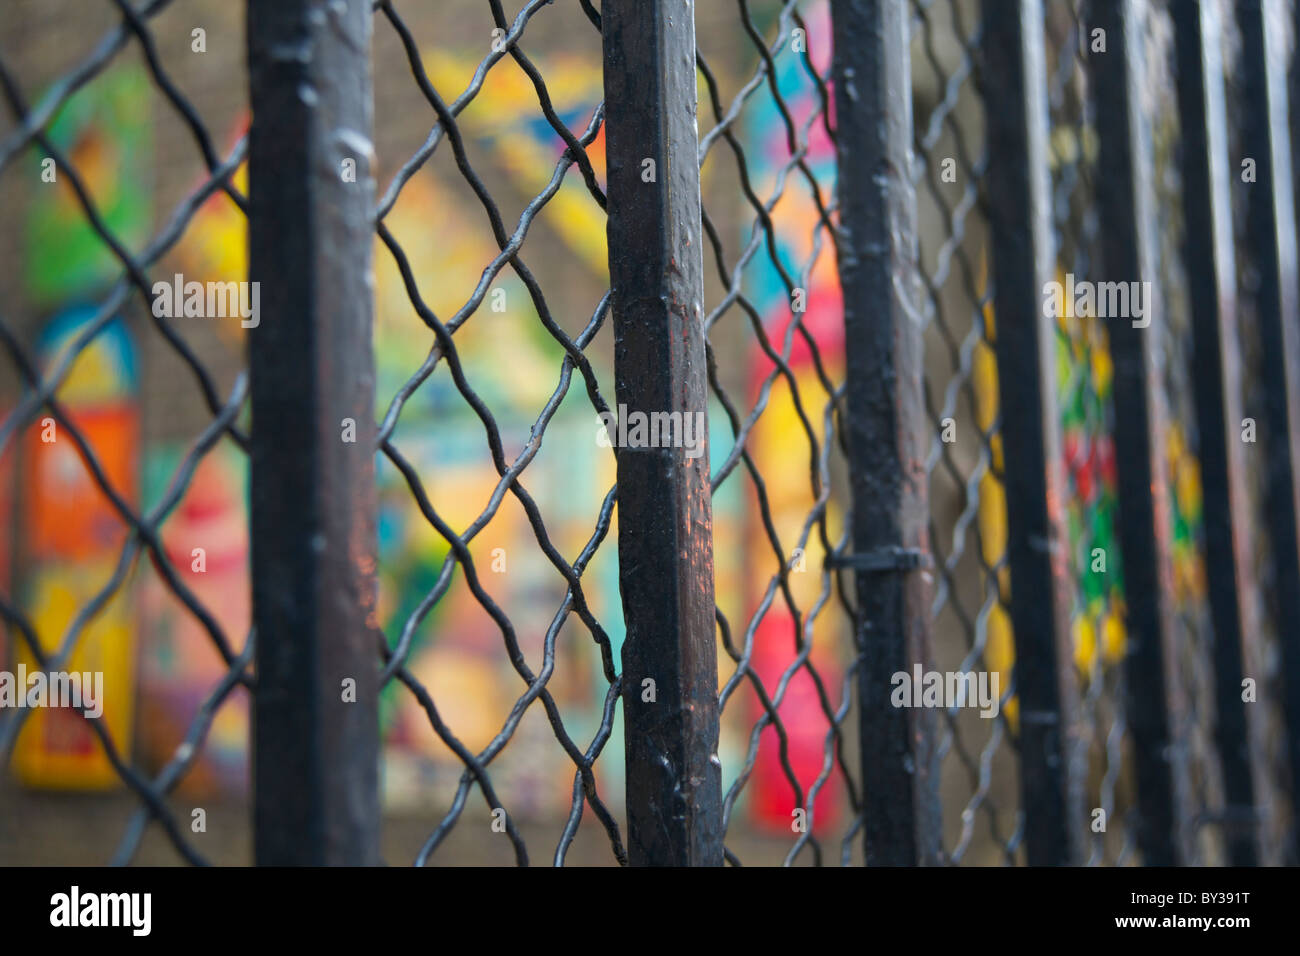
73 537
793 307
105 131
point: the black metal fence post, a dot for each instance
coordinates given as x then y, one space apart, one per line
665 511
1271 233
1212 279
316 730
1126 209
886 424
1015 88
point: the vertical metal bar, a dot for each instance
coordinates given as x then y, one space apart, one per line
886 422
1015 89
1271 234
315 751
1212 288
1125 201
665 520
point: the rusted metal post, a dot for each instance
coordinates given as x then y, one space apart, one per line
886 423
1271 235
1125 199
665 512
1210 260
1015 89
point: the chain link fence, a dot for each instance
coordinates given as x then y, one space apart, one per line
667 436
45 428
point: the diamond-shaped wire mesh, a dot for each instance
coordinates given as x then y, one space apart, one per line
498 575
450 416
61 440
775 353
972 631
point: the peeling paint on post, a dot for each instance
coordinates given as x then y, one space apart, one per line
665 515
